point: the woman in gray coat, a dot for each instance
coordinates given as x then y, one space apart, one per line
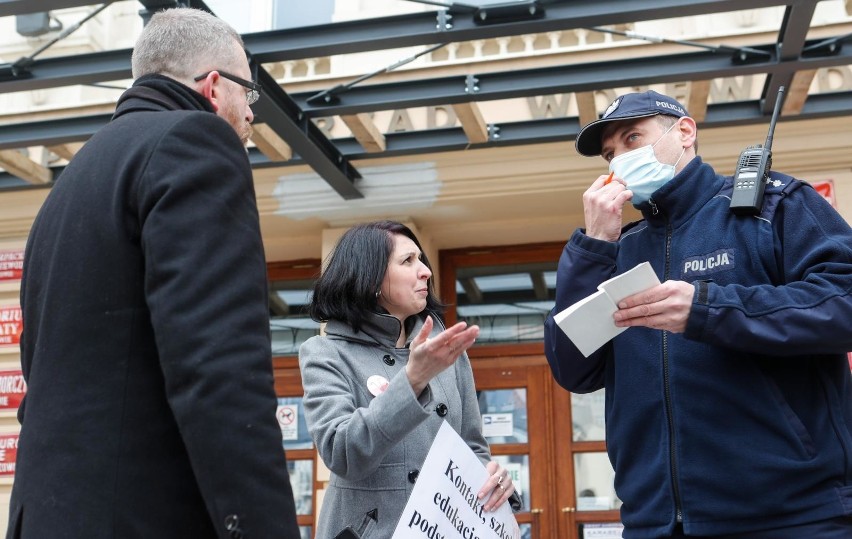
383 378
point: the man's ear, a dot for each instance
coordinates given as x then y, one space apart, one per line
688 130
209 88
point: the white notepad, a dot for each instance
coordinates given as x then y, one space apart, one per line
588 323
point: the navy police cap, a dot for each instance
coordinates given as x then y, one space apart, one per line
626 107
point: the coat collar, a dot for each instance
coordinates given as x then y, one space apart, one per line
158 93
684 195
377 328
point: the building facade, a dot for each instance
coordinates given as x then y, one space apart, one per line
492 216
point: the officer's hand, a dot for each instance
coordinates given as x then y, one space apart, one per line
602 207
664 306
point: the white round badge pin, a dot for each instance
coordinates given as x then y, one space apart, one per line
377 384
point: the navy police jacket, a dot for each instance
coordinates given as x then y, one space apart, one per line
743 422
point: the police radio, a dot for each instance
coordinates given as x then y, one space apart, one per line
752 171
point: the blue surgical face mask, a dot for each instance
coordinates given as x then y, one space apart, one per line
642 171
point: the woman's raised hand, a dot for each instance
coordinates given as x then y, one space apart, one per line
430 356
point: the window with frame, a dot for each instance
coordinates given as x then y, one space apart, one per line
290 290
506 291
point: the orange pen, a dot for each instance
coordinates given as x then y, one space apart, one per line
609 178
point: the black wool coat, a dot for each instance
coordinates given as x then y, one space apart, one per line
150 409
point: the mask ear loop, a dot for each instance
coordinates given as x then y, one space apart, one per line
682 151
666 133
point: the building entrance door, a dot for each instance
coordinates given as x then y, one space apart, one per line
512 394
552 440
552 443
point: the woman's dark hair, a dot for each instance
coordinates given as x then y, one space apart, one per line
354 271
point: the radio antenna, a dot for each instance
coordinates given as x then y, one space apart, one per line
778 101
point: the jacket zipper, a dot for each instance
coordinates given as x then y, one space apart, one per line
667 389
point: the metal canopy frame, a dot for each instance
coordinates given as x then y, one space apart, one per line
289 115
562 79
23 7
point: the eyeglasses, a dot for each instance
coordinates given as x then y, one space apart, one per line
253 92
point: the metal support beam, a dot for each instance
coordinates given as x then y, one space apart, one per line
10 182
836 104
370 34
450 90
153 6
68 70
423 28
76 69
51 132
559 79
549 130
697 66
9 8
280 112
379 33
791 41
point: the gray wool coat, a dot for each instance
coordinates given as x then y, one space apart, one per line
375 445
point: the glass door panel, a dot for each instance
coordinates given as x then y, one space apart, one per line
302 480
504 415
585 495
291 419
509 389
587 411
594 482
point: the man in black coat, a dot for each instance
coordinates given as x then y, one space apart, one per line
151 408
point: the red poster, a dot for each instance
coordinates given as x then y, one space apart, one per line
12 389
849 355
11 325
11 265
826 189
8 454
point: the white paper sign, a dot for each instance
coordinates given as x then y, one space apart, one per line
602 531
443 503
288 420
496 425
